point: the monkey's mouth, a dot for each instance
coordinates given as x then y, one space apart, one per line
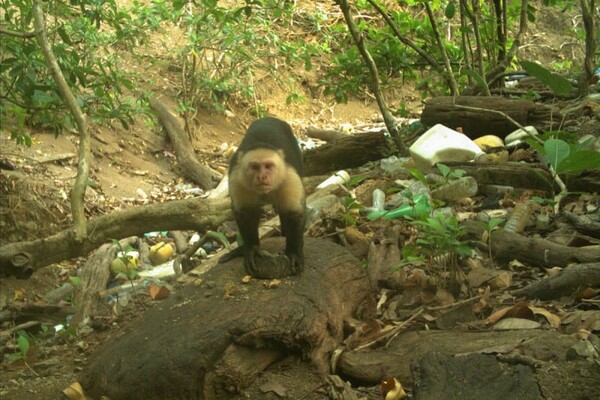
264 187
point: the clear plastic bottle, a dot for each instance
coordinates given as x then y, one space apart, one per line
378 199
456 189
519 218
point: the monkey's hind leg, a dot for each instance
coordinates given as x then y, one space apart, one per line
247 220
292 226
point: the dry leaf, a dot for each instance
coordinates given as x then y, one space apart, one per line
159 292
229 290
553 319
501 281
273 284
246 279
551 272
75 392
519 310
588 293
516 323
391 389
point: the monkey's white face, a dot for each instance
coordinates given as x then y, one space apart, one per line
264 169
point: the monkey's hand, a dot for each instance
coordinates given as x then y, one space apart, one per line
296 262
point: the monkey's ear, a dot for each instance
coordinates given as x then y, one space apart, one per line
281 153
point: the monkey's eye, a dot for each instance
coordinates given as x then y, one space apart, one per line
269 166
254 167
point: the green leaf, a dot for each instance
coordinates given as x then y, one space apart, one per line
580 161
444 169
75 281
418 174
450 10
23 343
556 150
558 84
42 97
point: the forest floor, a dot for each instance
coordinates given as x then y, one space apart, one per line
135 166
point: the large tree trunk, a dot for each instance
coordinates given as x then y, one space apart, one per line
208 341
447 111
22 258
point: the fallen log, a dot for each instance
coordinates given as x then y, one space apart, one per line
508 246
526 176
348 152
569 282
517 175
544 348
210 341
22 258
191 168
447 111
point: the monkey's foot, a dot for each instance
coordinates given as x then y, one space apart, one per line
294 262
267 265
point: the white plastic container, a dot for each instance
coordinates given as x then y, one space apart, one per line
339 178
441 144
516 137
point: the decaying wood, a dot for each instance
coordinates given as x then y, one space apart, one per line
349 152
22 258
409 347
327 135
94 278
208 341
45 313
526 176
517 175
443 110
569 282
384 253
586 224
508 246
190 167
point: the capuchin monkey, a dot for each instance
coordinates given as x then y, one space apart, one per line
266 169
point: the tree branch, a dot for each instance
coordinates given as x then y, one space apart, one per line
430 60
438 39
78 191
390 121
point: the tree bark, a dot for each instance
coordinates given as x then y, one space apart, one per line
444 110
516 175
508 246
569 282
22 258
190 167
210 341
348 152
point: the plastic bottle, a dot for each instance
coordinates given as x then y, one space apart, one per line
456 189
420 205
378 199
519 218
392 165
339 178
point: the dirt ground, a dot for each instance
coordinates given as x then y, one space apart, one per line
130 166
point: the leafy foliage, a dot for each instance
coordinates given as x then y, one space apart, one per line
563 156
83 40
557 83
